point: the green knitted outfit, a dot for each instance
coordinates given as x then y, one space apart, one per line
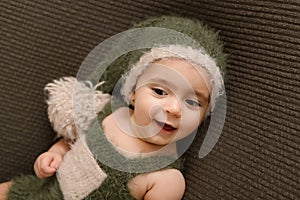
115 185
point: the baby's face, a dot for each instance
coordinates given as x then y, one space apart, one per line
170 99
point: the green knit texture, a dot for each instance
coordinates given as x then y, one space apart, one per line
33 188
202 34
114 186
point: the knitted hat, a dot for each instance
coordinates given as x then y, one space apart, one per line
196 43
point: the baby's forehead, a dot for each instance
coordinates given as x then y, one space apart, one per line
178 75
178 68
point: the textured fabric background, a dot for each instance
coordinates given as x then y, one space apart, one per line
258 154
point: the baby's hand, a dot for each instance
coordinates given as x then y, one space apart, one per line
47 163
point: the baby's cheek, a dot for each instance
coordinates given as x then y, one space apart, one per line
191 121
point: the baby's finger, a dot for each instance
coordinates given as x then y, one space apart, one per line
55 163
45 165
47 172
43 173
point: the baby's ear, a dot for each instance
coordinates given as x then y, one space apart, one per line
132 98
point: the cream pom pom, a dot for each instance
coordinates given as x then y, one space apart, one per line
72 105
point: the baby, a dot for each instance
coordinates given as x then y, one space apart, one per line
169 91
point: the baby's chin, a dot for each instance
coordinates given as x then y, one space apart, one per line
159 140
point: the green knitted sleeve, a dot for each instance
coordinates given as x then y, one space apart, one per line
33 188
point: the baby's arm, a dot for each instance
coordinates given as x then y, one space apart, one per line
47 163
166 184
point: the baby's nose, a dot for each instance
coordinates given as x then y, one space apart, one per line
173 107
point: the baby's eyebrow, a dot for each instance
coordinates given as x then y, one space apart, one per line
161 80
201 95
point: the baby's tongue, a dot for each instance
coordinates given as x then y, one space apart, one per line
168 127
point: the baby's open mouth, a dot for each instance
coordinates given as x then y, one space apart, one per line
165 126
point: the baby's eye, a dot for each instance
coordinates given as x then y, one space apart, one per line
192 102
159 91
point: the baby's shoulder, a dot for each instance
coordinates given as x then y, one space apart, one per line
170 177
164 184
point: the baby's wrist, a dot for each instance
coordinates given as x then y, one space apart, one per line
61 147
